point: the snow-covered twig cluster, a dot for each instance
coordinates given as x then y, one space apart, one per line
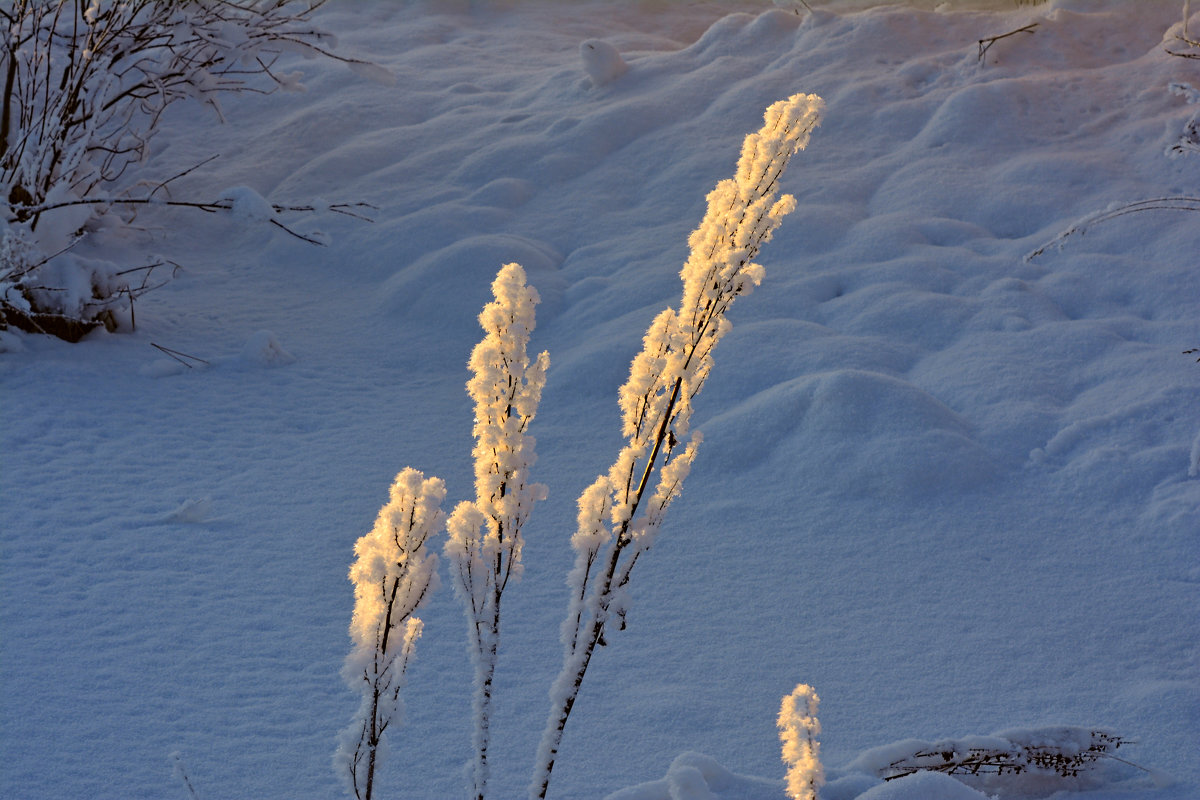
392 575
484 545
620 513
1062 752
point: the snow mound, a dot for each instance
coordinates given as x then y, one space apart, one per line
886 435
601 61
264 350
923 785
247 205
1019 762
191 511
452 282
162 368
693 776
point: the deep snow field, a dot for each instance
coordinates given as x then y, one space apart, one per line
954 489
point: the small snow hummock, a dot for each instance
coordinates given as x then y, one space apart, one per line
248 205
263 348
601 61
372 72
1194 466
926 785
694 776
193 510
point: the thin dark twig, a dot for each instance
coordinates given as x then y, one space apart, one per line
1154 204
163 184
1185 37
178 356
986 43
209 207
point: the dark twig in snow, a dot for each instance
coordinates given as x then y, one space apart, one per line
1185 37
178 356
986 43
1154 204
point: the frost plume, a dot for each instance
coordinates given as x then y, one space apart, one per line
484 546
393 573
656 401
798 729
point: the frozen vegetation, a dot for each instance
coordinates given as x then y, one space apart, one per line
950 472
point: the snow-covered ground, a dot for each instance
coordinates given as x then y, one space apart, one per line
954 489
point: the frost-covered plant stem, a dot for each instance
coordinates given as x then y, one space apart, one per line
798 729
484 545
392 575
618 517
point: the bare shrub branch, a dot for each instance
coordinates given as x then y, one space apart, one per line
986 43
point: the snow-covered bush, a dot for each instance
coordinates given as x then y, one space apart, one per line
85 87
798 729
620 513
392 575
484 545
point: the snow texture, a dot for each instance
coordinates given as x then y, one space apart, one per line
264 350
865 513
925 785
